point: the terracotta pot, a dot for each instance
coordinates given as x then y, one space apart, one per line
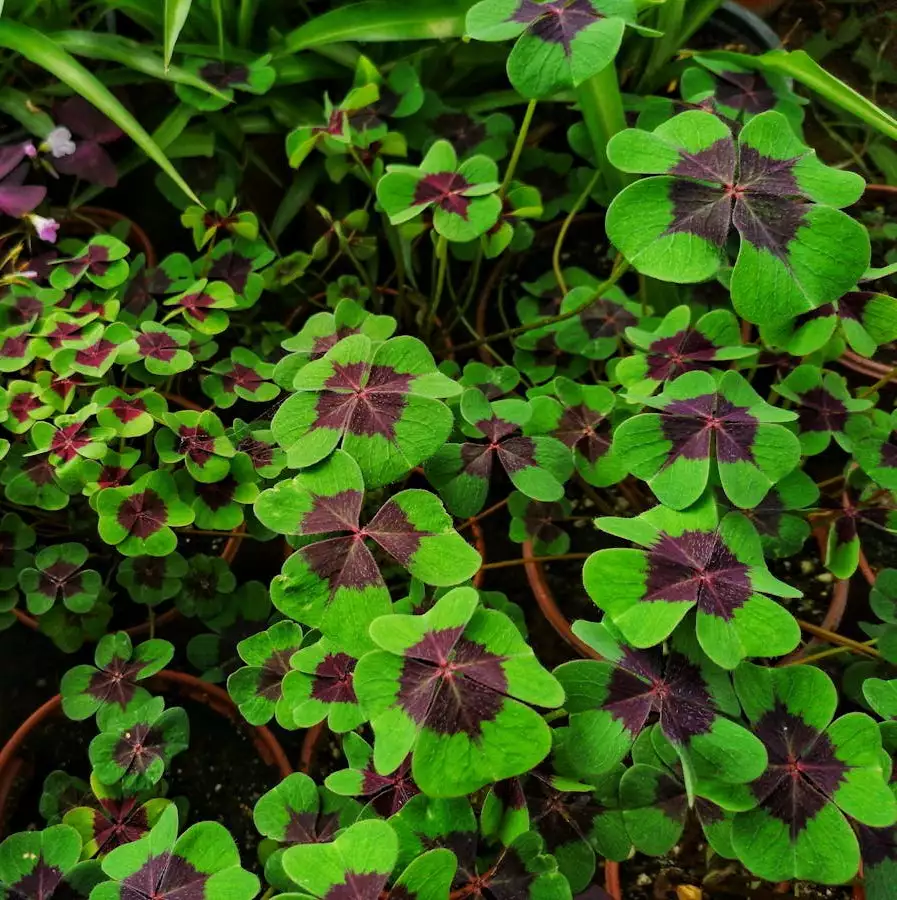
169 681
535 575
91 219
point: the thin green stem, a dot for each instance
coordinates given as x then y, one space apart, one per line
620 268
441 269
244 22
471 288
892 373
602 111
698 14
523 560
562 234
518 147
669 21
362 271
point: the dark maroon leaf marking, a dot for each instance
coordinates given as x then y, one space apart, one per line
197 305
338 512
606 319
139 747
96 354
539 520
24 309
116 683
157 345
127 409
39 884
223 76
241 376
22 404
14 347
450 684
112 476
260 452
685 351
67 441
853 305
59 580
459 128
820 410
585 430
366 886
218 494
394 532
701 210
389 793
150 571
64 331
673 688
562 817
690 424
363 399
195 442
698 568
322 344
343 562
273 671
556 22
748 91
39 472
143 514
232 269
715 163
877 845
334 679
445 190
803 772
96 260
118 822
311 828
164 877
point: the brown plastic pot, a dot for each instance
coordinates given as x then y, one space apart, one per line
91 219
535 575
266 744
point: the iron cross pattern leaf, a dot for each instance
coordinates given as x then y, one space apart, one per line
797 249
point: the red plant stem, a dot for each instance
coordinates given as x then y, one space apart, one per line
479 541
866 569
612 879
310 747
503 564
486 512
882 188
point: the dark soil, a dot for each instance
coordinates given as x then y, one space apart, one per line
806 572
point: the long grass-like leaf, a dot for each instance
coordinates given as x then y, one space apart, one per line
803 68
381 20
128 53
175 15
46 53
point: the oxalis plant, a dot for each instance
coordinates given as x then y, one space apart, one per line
554 295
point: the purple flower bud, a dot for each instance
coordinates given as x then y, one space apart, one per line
46 228
30 150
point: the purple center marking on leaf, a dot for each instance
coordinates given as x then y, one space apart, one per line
14 347
25 309
39 884
310 828
877 845
138 748
157 345
853 305
821 410
39 472
127 409
195 442
119 822
748 91
67 441
96 354
365 886
556 22
149 571
393 531
459 128
678 695
143 514
274 669
197 305
324 343
682 352
164 877
389 793
222 76
690 424
803 772
606 319
450 684
363 399
22 404
218 494
760 197
338 512
584 430
539 520
64 331
334 679
232 269
260 452
445 190
60 579
115 683
698 568
344 562
112 476
241 376
562 817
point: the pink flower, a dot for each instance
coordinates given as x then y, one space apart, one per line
46 228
